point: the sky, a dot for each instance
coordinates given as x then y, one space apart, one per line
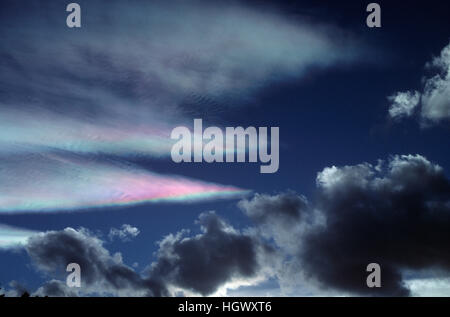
86 173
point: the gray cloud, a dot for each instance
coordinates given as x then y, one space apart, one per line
396 213
56 288
205 262
395 216
102 272
280 217
285 208
200 264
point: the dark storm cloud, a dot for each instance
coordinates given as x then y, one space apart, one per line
199 264
280 217
286 208
102 272
207 261
396 215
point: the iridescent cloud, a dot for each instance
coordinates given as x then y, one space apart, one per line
122 86
119 87
63 181
11 237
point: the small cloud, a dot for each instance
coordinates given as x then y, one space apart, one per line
403 104
434 100
125 233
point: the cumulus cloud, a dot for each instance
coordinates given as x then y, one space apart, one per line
204 263
278 216
125 233
285 208
102 272
218 258
403 104
434 100
56 288
395 213
395 217
436 94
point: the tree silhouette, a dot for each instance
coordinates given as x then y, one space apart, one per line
24 294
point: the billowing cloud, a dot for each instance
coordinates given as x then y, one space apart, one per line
125 233
278 216
63 181
220 256
285 208
436 93
102 273
202 264
395 213
56 288
434 100
391 215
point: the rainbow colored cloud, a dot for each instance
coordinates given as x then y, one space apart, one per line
64 181
119 91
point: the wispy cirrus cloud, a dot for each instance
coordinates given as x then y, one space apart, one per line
53 182
12 237
118 86
121 86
